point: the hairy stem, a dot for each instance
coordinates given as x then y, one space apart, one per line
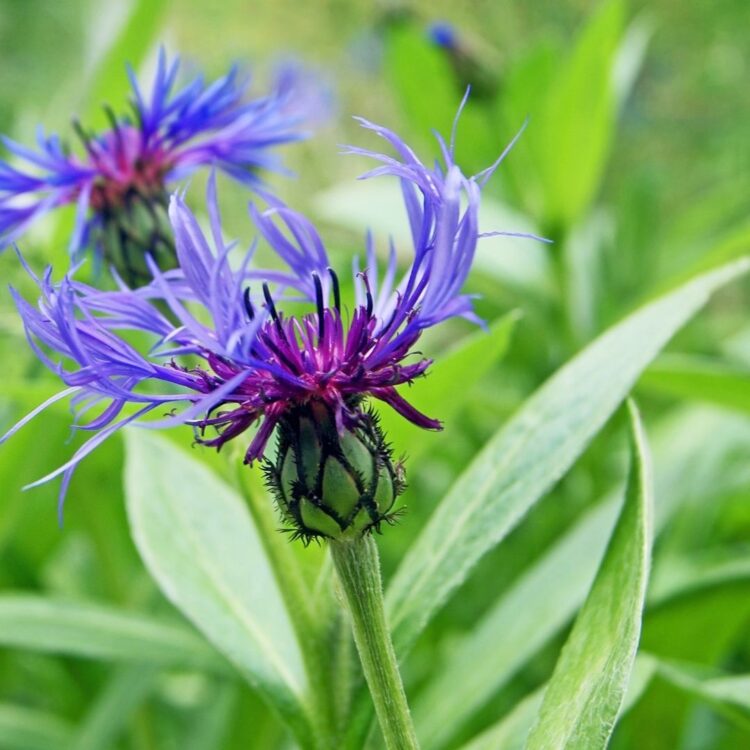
358 566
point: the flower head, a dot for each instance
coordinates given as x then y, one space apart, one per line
227 352
120 181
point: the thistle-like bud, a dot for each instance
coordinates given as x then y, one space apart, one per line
331 484
134 224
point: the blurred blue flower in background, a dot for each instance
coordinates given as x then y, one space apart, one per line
120 183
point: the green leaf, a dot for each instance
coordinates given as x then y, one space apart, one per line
198 541
97 632
112 709
437 395
572 104
729 695
209 724
699 378
422 78
510 732
531 452
111 84
579 117
586 690
29 729
676 575
734 244
539 604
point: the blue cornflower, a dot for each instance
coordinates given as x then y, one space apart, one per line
227 353
120 181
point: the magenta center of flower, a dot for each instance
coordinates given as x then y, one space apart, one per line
126 166
316 358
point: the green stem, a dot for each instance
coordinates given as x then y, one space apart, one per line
358 567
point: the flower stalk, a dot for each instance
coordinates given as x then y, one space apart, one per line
358 567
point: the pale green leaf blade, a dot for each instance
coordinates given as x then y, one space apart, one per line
109 714
727 694
198 541
136 36
579 117
699 378
421 78
532 451
209 725
30 729
675 575
94 631
437 395
541 601
510 732
585 693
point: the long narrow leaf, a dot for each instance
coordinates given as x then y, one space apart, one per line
584 695
546 596
29 729
199 542
97 632
531 452
699 379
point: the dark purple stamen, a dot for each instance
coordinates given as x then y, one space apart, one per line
319 305
336 290
272 310
248 303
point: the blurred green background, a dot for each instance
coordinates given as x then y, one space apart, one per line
635 161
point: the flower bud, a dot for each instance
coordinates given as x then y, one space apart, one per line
133 224
332 484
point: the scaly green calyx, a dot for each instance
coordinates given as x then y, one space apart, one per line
331 484
132 226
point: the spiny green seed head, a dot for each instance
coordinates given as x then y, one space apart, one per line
328 484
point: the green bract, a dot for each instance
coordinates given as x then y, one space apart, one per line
331 484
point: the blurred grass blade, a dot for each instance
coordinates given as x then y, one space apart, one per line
136 37
676 575
112 709
700 379
734 244
558 164
547 594
585 693
630 56
728 695
438 395
422 79
531 452
209 724
579 117
29 729
200 545
510 732
95 632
